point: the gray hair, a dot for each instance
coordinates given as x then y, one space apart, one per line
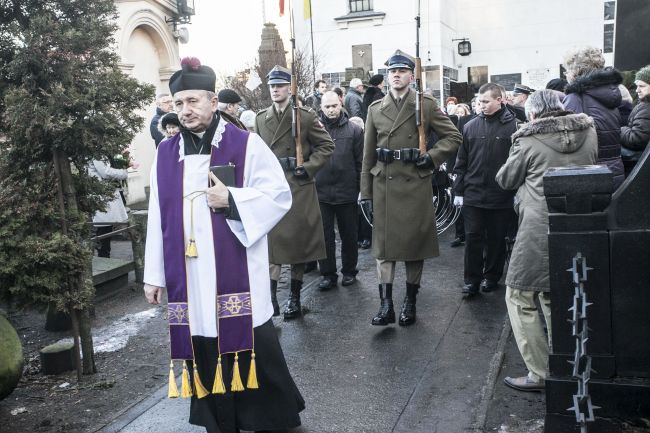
542 102
222 106
583 61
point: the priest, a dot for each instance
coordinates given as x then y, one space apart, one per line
216 191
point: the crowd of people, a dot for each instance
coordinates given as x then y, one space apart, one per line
274 199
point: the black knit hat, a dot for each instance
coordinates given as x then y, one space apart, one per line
376 80
192 76
228 96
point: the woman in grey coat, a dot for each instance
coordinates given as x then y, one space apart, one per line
552 138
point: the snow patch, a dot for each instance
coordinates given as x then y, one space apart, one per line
115 336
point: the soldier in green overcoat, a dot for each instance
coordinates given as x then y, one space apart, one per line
396 184
298 238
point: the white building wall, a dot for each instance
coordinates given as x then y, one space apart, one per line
149 53
509 36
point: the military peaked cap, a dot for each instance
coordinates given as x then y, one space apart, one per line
400 60
520 89
279 75
192 76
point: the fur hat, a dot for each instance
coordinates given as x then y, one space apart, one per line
643 75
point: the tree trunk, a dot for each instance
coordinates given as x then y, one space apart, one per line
80 319
86 342
75 336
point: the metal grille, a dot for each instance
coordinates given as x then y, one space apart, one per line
582 406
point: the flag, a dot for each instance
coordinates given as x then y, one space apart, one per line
307 9
281 8
253 81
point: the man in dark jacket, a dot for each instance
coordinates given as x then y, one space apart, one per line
487 209
163 106
337 184
314 100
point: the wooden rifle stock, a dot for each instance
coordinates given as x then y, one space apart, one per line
295 121
419 107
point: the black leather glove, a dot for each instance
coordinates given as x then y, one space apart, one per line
300 173
366 207
424 161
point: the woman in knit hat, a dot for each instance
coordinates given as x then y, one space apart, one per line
635 136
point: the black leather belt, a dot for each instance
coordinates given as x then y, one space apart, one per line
406 154
288 163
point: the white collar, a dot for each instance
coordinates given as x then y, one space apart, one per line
221 127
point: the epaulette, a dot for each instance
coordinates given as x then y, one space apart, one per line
375 102
262 111
308 109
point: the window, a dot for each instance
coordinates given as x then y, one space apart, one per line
610 10
360 5
608 43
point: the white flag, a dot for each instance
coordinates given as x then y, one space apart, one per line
253 81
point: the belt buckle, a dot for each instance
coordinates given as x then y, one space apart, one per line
397 155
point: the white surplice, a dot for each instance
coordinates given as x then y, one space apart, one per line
264 199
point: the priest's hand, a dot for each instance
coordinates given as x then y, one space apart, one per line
153 293
217 194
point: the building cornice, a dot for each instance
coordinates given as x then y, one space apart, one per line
377 18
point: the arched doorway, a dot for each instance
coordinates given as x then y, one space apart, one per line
149 53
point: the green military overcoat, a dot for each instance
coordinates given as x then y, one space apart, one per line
299 236
404 226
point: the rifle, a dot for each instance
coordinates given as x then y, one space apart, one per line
295 111
419 96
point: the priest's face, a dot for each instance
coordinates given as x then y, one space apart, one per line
279 93
195 108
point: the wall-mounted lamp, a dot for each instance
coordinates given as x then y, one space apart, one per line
185 10
464 46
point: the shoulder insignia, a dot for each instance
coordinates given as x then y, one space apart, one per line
318 124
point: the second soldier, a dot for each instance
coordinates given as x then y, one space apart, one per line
298 238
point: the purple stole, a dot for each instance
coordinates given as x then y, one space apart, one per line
233 304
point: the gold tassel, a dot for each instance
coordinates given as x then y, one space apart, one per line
191 250
173 389
252 374
236 384
200 389
186 388
218 387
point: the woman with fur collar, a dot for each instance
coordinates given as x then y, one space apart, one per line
553 138
593 90
635 136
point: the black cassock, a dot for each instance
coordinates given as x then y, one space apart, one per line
274 406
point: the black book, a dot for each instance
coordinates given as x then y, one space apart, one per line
225 173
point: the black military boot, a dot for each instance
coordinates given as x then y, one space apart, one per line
407 316
274 298
386 313
293 309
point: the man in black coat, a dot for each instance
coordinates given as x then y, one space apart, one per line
337 184
487 209
163 106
